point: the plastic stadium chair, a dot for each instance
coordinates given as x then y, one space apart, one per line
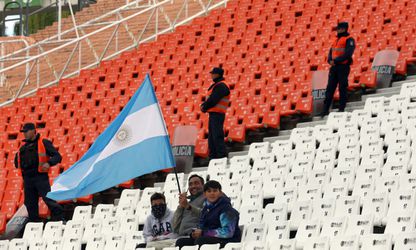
253 245
53 230
402 222
133 239
333 227
82 213
321 243
130 196
18 244
95 243
37 244
103 211
250 215
71 243
210 247
405 241
302 210
33 230
377 205
93 228
345 242
377 242
73 228
306 230
115 241
289 244
254 232
360 225
233 246
4 244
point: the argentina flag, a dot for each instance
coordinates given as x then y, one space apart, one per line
134 144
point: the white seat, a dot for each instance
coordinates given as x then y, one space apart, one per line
143 210
260 169
399 152
387 184
37 244
257 149
400 223
148 192
399 101
103 211
278 230
71 243
396 135
208 247
347 205
303 163
252 184
255 245
334 226
288 195
305 144
33 230
343 175
377 242
349 149
232 186
367 172
110 226
253 198
240 160
310 192
371 146
374 104
254 232
124 209
190 247
53 230
389 121
115 241
377 205
299 134
408 112
324 160
323 208
307 229
358 115
360 225
171 248
281 146
217 164
282 244
74 228
4 244
241 173
321 131
92 229
236 200
18 244
319 177
348 128
405 241
317 243
280 167
272 183
337 118
408 89
96 243
296 179
233 246
250 215
372 159
335 190
363 188
402 201
345 243
346 161
82 213
130 196
54 244
302 210
221 175
171 182
408 181
275 212
129 224
133 239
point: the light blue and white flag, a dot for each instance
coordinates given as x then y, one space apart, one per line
134 144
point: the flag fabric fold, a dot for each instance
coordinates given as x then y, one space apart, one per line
134 144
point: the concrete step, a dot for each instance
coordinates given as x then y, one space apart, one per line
311 124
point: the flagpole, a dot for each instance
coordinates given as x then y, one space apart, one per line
177 179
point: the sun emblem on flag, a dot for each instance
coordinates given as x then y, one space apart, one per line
123 135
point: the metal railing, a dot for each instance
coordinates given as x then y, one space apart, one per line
52 59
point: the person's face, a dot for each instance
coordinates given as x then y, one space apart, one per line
215 76
341 30
157 202
195 186
212 195
29 134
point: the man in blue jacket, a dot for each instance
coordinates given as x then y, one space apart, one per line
218 221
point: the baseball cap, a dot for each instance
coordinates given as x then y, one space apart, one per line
28 126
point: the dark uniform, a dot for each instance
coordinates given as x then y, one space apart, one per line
341 54
36 184
216 105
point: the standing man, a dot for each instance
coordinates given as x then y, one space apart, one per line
35 158
340 59
216 105
186 217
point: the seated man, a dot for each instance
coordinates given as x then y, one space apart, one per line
157 230
186 216
218 220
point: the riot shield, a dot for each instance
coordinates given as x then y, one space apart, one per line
385 64
319 83
183 147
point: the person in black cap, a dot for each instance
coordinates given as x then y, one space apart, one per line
340 59
35 158
216 105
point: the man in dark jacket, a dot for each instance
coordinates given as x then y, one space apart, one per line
216 105
218 222
340 59
35 158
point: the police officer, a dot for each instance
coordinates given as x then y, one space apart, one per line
340 59
216 105
35 158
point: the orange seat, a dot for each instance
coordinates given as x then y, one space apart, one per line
271 120
201 148
237 133
3 222
8 207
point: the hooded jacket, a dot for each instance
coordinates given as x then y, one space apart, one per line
185 220
155 229
220 220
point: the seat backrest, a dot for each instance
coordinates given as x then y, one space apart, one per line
82 212
250 215
405 241
103 211
233 246
33 230
281 146
130 196
302 210
307 229
400 223
347 205
345 243
133 239
252 198
278 230
95 243
110 226
129 224
408 181
92 229
387 184
288 195
18 244
310 192
275 212
210 247
287 244
37 244
377 242
323 208
115 241
53 230
360 225
377 205
335 190
73 228
363 188
334 227
343 175
54 244
337 118
317 243
71 243
254 232
272 183
258 148
367 172
124 209
402 201
255 245
217 163
296 179
4 244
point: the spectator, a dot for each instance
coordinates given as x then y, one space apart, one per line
218 222
186 216
157 230
35 158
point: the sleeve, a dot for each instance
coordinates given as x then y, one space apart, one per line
330 55
16 162
55 156
196 211
349 50
219 92
147 230
177 219
228 226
